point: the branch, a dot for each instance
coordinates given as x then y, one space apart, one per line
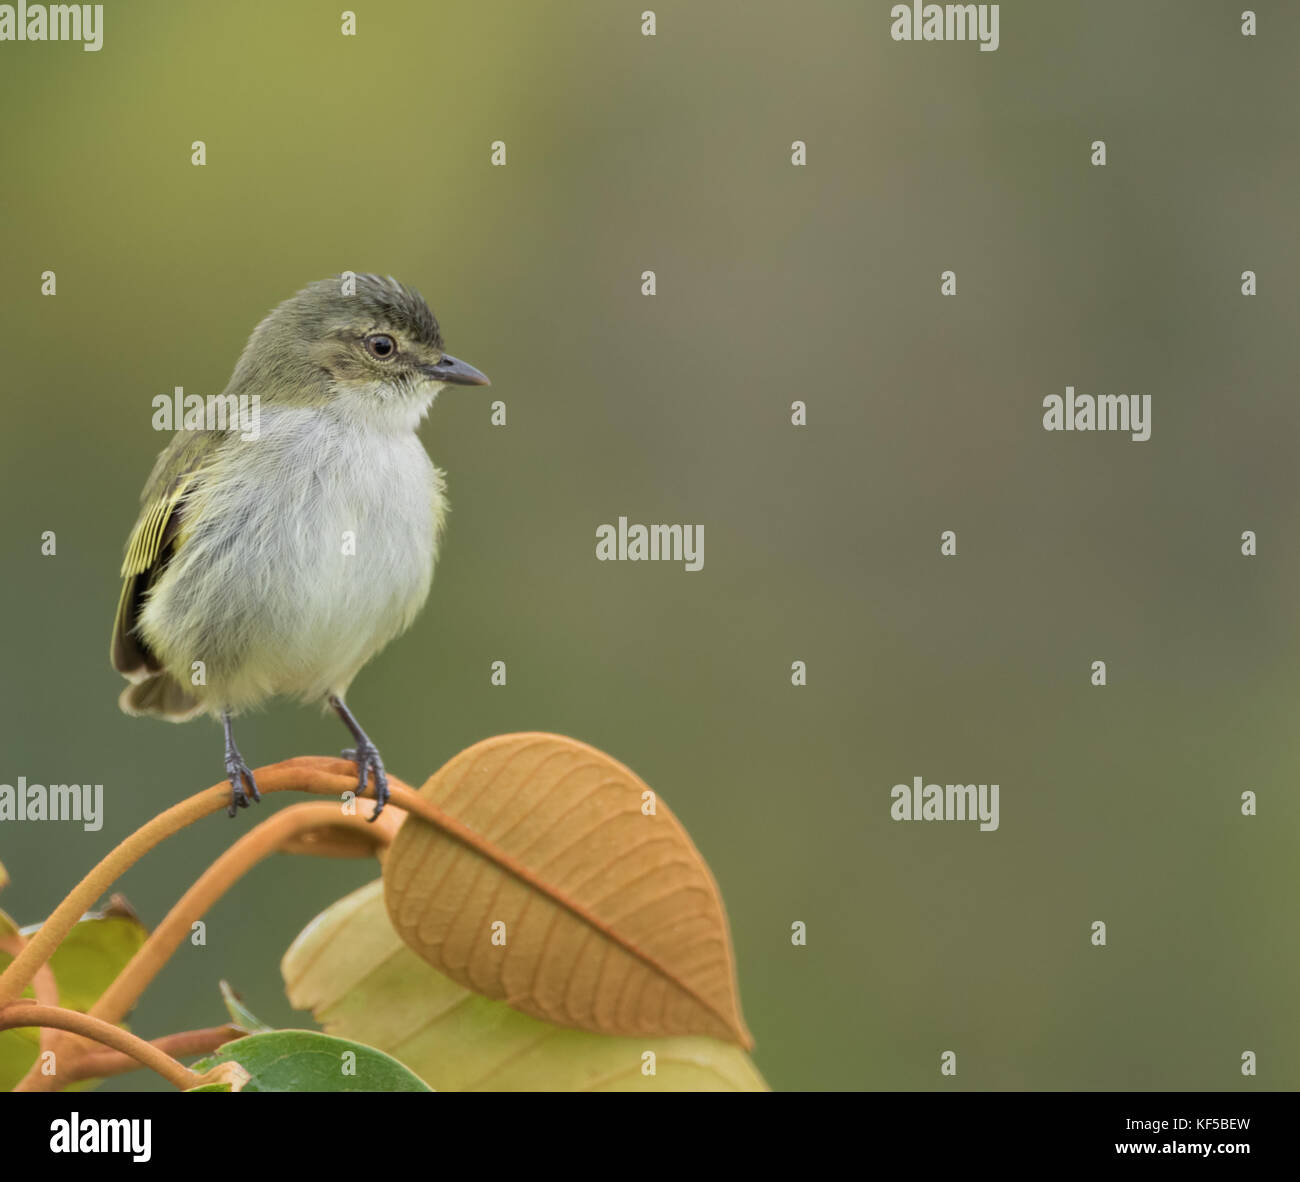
301 826
307 773
30 1013
324 777
282 828
44 985
102 1064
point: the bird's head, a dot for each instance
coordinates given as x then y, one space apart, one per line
368 343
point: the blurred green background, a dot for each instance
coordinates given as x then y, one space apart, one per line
821 283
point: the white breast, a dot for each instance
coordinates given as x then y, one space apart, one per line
313 551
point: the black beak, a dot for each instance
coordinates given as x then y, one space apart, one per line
456 372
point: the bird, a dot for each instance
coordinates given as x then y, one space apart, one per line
277 561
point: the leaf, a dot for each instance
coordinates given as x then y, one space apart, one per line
239 1013
224 1077
353 971
95 951
612 921
307 1061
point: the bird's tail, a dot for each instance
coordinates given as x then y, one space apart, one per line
162 696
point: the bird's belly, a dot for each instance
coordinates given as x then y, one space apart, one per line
329 561
349 600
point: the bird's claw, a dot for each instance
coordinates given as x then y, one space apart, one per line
239 774
366 757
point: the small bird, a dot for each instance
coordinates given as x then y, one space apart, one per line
280 560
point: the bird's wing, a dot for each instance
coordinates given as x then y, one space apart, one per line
153 542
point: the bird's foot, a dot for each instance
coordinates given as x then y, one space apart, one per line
240 774
366 756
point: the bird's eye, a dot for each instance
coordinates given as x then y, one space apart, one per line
381 345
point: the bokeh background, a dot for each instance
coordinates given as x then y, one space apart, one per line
820 283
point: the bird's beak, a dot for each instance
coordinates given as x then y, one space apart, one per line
456 372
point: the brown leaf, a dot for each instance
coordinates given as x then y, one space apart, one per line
612 920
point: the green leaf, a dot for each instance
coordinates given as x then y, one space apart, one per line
96 950
308 1061
361 981
84 965
240 1014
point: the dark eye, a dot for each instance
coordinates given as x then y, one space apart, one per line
381 345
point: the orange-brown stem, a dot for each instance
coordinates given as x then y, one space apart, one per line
29 1013
324 777
102 1064
44 985
299 827
288 825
